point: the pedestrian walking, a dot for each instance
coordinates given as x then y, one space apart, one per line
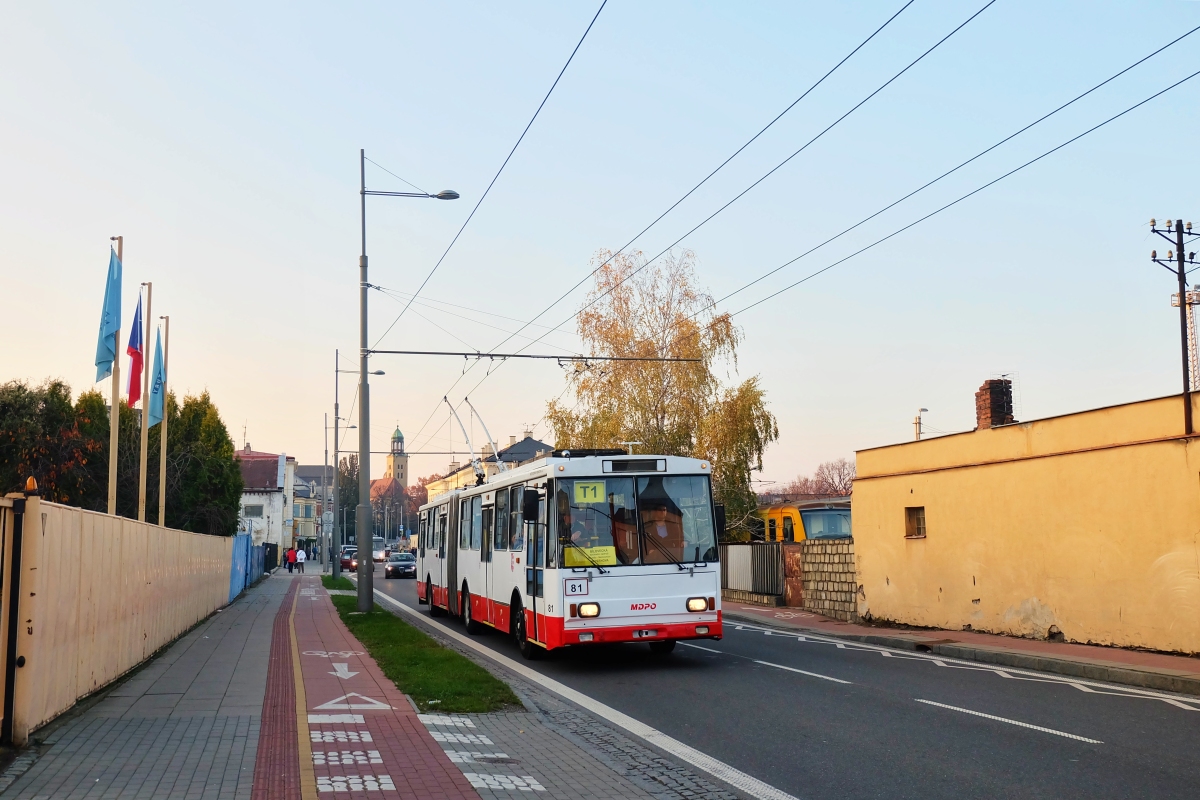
291 559
301 557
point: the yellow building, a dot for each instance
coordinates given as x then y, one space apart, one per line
1084 527
806 519
462 475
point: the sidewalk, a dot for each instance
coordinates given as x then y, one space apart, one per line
1112 664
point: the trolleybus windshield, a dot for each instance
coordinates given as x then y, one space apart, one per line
646 520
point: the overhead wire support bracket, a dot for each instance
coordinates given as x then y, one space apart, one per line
550 357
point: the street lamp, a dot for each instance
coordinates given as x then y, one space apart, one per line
917 421
366 566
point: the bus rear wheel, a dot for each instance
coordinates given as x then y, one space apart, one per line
663 647
434 611
528 649
473 627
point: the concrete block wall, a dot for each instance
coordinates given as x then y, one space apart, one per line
830 584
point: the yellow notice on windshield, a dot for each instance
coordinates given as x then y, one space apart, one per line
589 556
589 492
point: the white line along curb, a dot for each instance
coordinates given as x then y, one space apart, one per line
718 769
1011 722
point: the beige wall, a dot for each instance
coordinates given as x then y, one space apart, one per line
99 595
1088 522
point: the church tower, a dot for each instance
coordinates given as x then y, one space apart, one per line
397 460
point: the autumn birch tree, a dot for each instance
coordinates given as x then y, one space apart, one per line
673 408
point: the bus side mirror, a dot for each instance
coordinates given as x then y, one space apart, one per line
529 505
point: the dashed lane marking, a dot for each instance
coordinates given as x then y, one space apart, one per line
747 784
1091 687
1012 722
801 671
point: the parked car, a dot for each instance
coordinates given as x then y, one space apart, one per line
400 565
350 558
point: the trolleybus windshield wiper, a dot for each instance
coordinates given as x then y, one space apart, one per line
662 549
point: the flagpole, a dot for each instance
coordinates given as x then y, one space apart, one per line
145 408
114 416
162 430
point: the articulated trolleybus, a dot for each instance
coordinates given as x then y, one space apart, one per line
584 546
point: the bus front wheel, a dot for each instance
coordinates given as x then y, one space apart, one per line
528 649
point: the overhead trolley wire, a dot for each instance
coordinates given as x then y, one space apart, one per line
495 177
694 188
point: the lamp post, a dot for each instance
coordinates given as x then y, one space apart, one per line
366 567
917 422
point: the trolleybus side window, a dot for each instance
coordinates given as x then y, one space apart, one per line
501 538
597 522
464 524
476 521
676 517
547 521
421 532
516 531
441 538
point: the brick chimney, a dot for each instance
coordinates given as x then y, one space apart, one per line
993 404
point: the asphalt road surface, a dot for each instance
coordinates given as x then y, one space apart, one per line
821 719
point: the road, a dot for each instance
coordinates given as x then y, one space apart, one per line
821 719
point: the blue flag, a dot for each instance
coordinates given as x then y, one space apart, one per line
110 319
158 384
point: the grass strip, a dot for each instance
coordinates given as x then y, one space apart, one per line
330 582
435 677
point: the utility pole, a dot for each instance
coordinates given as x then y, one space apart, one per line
335 569
917 422
1180 270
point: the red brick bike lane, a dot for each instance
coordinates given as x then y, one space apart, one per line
351 732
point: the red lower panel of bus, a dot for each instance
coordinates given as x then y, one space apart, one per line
552 633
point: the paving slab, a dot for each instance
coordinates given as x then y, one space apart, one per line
184 726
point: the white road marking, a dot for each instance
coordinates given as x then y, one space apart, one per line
699 647
1012 722
352 701
442 719
747 784
524 783
342 671
801 671
1091 687
340 737
355 783
334 654
317 719
470 756
460 738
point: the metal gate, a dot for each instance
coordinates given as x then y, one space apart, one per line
754 567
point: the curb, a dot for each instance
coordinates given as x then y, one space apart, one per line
1161 679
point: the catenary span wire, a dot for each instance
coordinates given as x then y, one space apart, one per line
953 203
433 303
718 168
495 177
772 171
705 180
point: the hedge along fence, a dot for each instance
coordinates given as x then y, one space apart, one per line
99 595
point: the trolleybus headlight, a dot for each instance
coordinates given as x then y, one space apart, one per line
697 604
589 609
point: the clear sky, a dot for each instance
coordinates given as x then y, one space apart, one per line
222 141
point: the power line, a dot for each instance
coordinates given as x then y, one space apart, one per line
505 356
495 177
967 195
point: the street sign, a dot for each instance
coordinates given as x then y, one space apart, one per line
327 517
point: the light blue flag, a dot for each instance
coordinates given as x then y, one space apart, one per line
158 383
110 319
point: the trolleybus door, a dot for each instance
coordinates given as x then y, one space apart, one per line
450 549
533 513
485 555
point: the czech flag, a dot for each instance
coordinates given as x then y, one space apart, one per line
135 350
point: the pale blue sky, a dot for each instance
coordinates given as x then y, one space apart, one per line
222 141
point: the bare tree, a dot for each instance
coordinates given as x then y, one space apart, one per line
832 479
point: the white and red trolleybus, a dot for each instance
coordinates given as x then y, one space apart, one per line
583 546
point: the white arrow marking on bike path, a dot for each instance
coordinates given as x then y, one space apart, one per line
342 671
